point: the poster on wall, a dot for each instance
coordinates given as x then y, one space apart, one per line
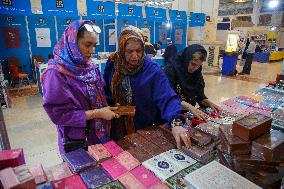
163 36
178 36
43 37
12 37
111 37
146 32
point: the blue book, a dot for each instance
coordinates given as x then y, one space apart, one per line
95 177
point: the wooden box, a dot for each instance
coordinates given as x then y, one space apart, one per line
204 155
251 126
125 110
209 128
269 146
199 138
231 143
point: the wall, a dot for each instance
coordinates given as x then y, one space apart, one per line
49 22
21 53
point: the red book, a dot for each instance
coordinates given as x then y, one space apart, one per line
72 182
11 158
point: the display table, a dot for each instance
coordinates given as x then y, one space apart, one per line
274 56
262 57
229 63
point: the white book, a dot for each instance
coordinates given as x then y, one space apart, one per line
178 158
161 167
216 176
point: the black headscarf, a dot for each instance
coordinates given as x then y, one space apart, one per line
189 86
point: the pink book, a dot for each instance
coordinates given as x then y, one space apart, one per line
99 152
130 182
127 160
72 182
58 172
144 176
158 185
11 158
114 168
38 174
113 148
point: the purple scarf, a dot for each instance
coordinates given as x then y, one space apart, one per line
69 61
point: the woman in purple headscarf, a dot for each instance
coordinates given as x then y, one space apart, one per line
73 89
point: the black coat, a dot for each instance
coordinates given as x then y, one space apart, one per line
188 86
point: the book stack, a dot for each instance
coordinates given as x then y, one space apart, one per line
251 149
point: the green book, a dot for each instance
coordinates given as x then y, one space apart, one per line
177 181
112 185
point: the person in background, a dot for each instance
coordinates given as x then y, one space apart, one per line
132 78
158 45
244 55
73 95
250 52
186 79
170 54
149 48
258 48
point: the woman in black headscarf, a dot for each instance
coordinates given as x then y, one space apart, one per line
186 79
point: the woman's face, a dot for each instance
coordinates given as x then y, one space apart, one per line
87 45
195 63
133 53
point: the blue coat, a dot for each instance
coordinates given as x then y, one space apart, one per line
152 94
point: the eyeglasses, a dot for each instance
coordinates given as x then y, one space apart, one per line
92 28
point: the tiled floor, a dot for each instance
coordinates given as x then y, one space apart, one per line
29 127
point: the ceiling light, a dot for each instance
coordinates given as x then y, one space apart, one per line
240 1
273 3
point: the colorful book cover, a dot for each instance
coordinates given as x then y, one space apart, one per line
95 177
178 158
79 160
112 185
114 168
99 152
127 160
72 182
161 167
144 176
130 182
113 148
177 181
58 172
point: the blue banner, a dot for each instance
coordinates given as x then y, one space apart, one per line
99 9
129 11
196 19
156 14
59 7
15 7
176 15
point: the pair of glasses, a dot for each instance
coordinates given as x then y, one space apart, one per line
92 28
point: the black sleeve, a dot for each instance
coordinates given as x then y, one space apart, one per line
171 74
200 94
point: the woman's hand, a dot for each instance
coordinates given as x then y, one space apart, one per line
107 113
102 113
197 113
181 133
215 107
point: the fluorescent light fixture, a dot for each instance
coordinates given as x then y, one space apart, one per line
273 3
